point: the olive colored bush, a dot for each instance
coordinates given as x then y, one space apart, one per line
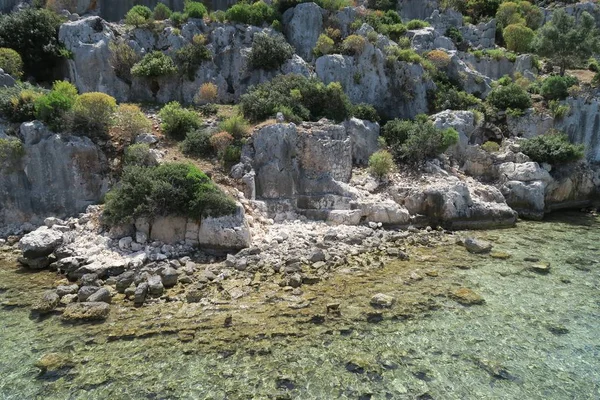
449 97
197 143
52 107
190 57
122 59
33 33
11 62
325 45
207 93
269 52
167 189
195 9
131 121
236 126
386 23
557 87
17 103
232 155
154 65
306 98
138 154
11 151
177 19
510 96
490 147
381 163
366 111
138 16
354 45
552 148
256 13
161 12
220 142
518 38
178 121
416 24
93 114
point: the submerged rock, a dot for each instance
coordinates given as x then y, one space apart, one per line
54 365
86 311
467 297
478 246
47 303
381 300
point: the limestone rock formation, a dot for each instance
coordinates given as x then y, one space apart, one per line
302 26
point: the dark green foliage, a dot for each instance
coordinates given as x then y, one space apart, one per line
475 9
142 11
449 97
195 9
178 121
154 65
168 189
415 141
383 5
253 14
17 103
161 12
454 34
232 155
416 24
93 114
178 19
305 98
11 151
137 154
365 111
52 107
388 23
552 148
508 96
269 52
138 16
197 143
33 33
190 56
557 87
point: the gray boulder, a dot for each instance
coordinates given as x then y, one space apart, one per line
302 26
87 311
40 243
477 246
155 286
102 295
364 137
47 303
141 291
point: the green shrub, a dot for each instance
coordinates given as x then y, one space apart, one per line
593 65
236 126
122 59
382 5
161 12
416 24
138 154
552 148
33 34
454 34
308 98
190 57
388 23
178 121
154 65
131 121
232 155
93 114
138 16
490 147
381 163
414 141
195 9
197 143
365 111
354 45
253 14
509 96
17 104
52 108
177 19
324 46
556 87
11 151
448 97
167 189
269 52
218 15
558 111
11 62
518 38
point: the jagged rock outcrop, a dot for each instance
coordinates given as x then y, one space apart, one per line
58 175
497 68
417 9
427 39
480 36
531 124
582 124
471 80
466 123
394 88
6 80
302 26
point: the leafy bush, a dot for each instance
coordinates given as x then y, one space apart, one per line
220 142
177 19
251 13
11 62
454 34
131 121
518 38
439 58
122 59
416 24
414 141
386 23
33 34
190 56
330 5
93 113
17 104
178 121
52 107
161 12
307 98
490 147
448 97
365 111
383 5
167 189
236 126
207 93
154 65
509 96
556 87
11 151
354 45
232 155
381 163
475 10
269 52
552 148
138 154
519 12
558 111
324 46
195 9
197 143
138 16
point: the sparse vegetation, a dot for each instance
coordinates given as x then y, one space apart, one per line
138 154
236 126
197 143
122 59
490 147
251 13
161 12
365 111
17 104
190 57
131 121
138 16
381 163
178 121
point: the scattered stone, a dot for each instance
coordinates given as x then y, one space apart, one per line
102 295
124 281
541 268
86 311
500 255
54 365
169 277
85 292
125 243
494 369
477 246
40 243
558 329
316 256
47 303
140 294
467 297
68 299
381 300
155 286
63 290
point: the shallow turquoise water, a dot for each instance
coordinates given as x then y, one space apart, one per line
537 337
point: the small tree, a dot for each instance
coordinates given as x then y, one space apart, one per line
567 42
381 163
518 38
11 62
269 52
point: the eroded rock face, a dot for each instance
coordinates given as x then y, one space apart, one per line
302 26
583 124
57 175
